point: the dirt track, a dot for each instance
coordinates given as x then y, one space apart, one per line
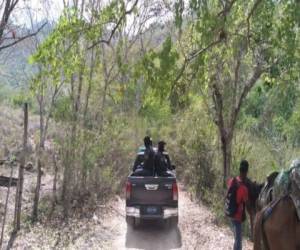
196 230
107 230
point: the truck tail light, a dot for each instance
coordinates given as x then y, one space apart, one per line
128 190
175 192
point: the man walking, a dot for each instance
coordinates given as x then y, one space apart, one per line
236 199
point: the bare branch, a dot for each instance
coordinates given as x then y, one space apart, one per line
249 16
218 104
23 38
9 7
235 83
191 57
257 72
51 108
227 8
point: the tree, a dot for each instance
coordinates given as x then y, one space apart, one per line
224 48
71 56
9 35
248 49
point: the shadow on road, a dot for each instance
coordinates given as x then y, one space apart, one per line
151 235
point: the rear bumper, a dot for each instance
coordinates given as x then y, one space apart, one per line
170 212
133 212
167 212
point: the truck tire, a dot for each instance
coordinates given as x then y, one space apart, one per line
130 221
174 221
133 222
137 222
171 222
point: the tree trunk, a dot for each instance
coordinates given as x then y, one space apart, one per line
55 179
226 146
37 190
84 171
18 206
54 196
66 189
68 180
34 216
69 170
66 165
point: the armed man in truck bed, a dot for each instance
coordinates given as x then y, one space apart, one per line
162 161
144 163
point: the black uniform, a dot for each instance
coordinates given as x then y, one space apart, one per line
147 166
139 161
162 164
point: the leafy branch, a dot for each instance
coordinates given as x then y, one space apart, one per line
118 24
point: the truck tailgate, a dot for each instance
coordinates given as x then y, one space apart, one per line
151 190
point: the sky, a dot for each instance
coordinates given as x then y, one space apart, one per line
39 9
52 9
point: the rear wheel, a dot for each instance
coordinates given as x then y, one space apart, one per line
137 222
130 221
174 221
171 222
133 222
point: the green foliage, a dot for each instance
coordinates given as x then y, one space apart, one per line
291 127
159 69
179 7
62 110
154 110
195 150
60 53
20 98
168 92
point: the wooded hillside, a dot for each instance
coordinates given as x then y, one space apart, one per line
218 80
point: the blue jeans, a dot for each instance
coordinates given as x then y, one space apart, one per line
237 230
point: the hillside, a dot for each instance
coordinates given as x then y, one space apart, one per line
15 70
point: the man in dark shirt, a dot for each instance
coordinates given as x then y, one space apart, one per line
162 161
149 156
147 166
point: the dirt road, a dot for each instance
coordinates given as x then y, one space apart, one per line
196 230
107 230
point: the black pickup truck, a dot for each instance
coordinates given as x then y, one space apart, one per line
152 198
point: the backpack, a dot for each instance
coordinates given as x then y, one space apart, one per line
231 205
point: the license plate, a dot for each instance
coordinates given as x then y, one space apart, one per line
151 210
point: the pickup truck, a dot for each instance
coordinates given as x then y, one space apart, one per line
151 198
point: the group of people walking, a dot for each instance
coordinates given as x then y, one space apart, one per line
152 161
